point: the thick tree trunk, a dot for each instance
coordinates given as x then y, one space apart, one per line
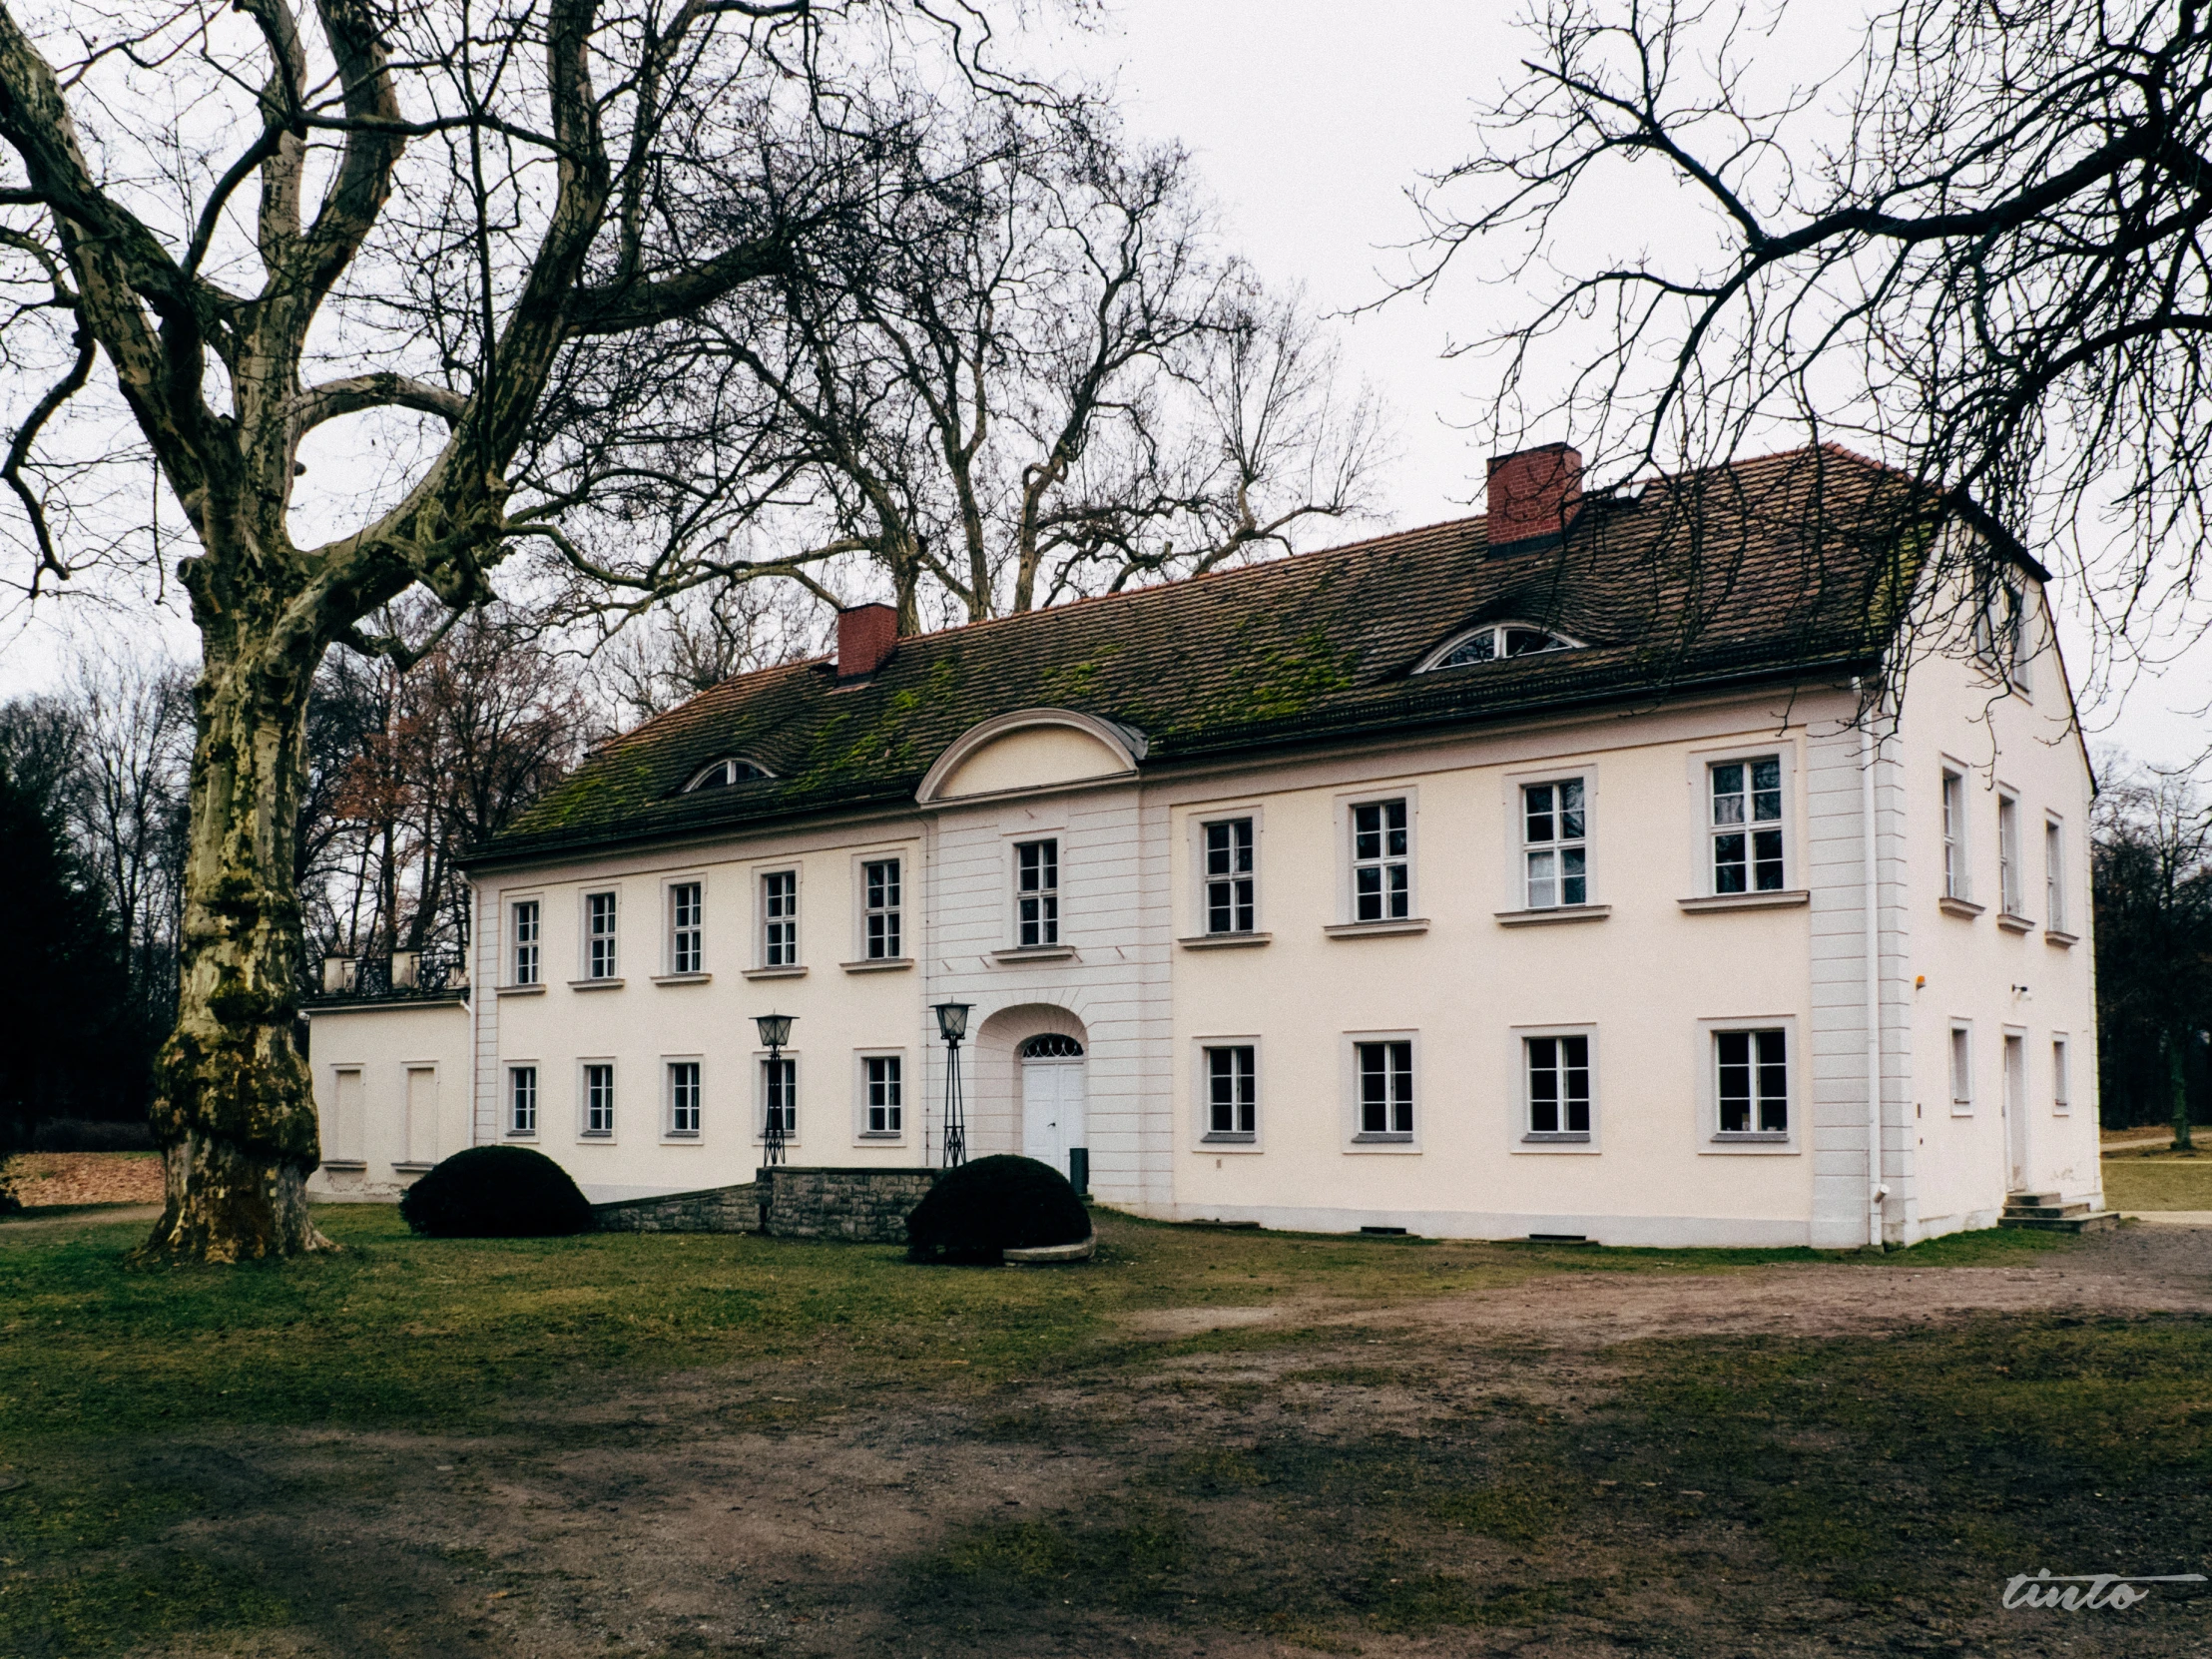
234 1111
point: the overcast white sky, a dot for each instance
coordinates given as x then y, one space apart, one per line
1309 123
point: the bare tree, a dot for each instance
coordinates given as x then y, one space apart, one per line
1978 251
693 644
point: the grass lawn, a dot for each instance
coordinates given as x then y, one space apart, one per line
2159 1180
1350 1476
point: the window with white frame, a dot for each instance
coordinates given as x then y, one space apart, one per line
1554 849
780 918
1381 862
1745 825
523 1100
683 1099
525 928
2054 876
599 1097
1232 1092
1228 876
1961 1070
2000 631
779 1094
1494 640
2008 855
599 935
2062 1081
1954 836
1558 1086
1385 1073
882 911
1036 893
882 1076
687 915
1752 1081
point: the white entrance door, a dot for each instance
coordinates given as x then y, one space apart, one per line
2015 1110
1052 1119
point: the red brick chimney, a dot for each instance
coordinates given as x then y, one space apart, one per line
866 636
1534 496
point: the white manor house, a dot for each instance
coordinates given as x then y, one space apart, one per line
1529 874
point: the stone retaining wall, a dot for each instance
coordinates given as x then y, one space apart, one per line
715 1210
866 1205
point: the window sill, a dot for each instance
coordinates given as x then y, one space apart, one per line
878 964
603 1137
1020 953
1785 898
2059 938
679 1137
1222 941
411 1167
1752 1140
345 1163
1966 910
794 973
520 1135
1551 914
519 991
2016 924
881 1137
1363 1139
683 978
594 985
1375 929
1227 1137
1556 1137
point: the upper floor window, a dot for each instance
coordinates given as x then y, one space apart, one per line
1745 825
1954 836
686 929
2054 876
2008 855
1036 892
882 911
1555 854
2000 631
1229 877
722 774
1493 640
780 918
526 931
1381 862
1752 1081
599 935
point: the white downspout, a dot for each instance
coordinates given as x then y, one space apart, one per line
1869 895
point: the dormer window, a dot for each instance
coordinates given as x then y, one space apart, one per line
1493 640
723 773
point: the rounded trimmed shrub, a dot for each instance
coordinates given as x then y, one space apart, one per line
496 1192
992 1205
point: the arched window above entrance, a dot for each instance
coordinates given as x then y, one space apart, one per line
1051 1046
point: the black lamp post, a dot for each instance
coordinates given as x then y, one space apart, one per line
953 1027
776 1031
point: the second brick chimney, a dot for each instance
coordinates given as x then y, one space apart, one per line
866 636
1533 497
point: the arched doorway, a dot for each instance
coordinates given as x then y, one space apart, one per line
1054 1123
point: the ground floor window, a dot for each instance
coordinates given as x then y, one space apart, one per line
885 1089
599 1098
523 1100
780 1092
1232 1092
1386 1081
1559 1085
1753 1081
682 1098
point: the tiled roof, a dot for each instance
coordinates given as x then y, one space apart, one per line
1785 566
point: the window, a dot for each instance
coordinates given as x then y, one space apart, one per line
682 1098
1961 1070
780 918
2008 855
599 1098
1752 1081
1232 1093
880 1073
722 774
1386 1072
1747 825
523 1100
686 918
1999 634
2054 876
526 929
1037 892
599 935
1228 887
1501 639
882 910
779 1094
2061 1084
1558 1086
1555 856
1954 836
1382 869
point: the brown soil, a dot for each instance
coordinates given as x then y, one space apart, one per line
46 1180
1033 1519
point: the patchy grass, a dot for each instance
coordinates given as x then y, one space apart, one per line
2158 1181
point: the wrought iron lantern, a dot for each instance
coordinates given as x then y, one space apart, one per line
776 1031
953 1027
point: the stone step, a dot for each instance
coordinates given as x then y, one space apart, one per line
2038 1199
2094 1222
2046 1212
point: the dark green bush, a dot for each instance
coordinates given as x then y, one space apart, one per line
496 1192
991 1205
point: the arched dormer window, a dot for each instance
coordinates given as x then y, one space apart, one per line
1493 640
722 774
